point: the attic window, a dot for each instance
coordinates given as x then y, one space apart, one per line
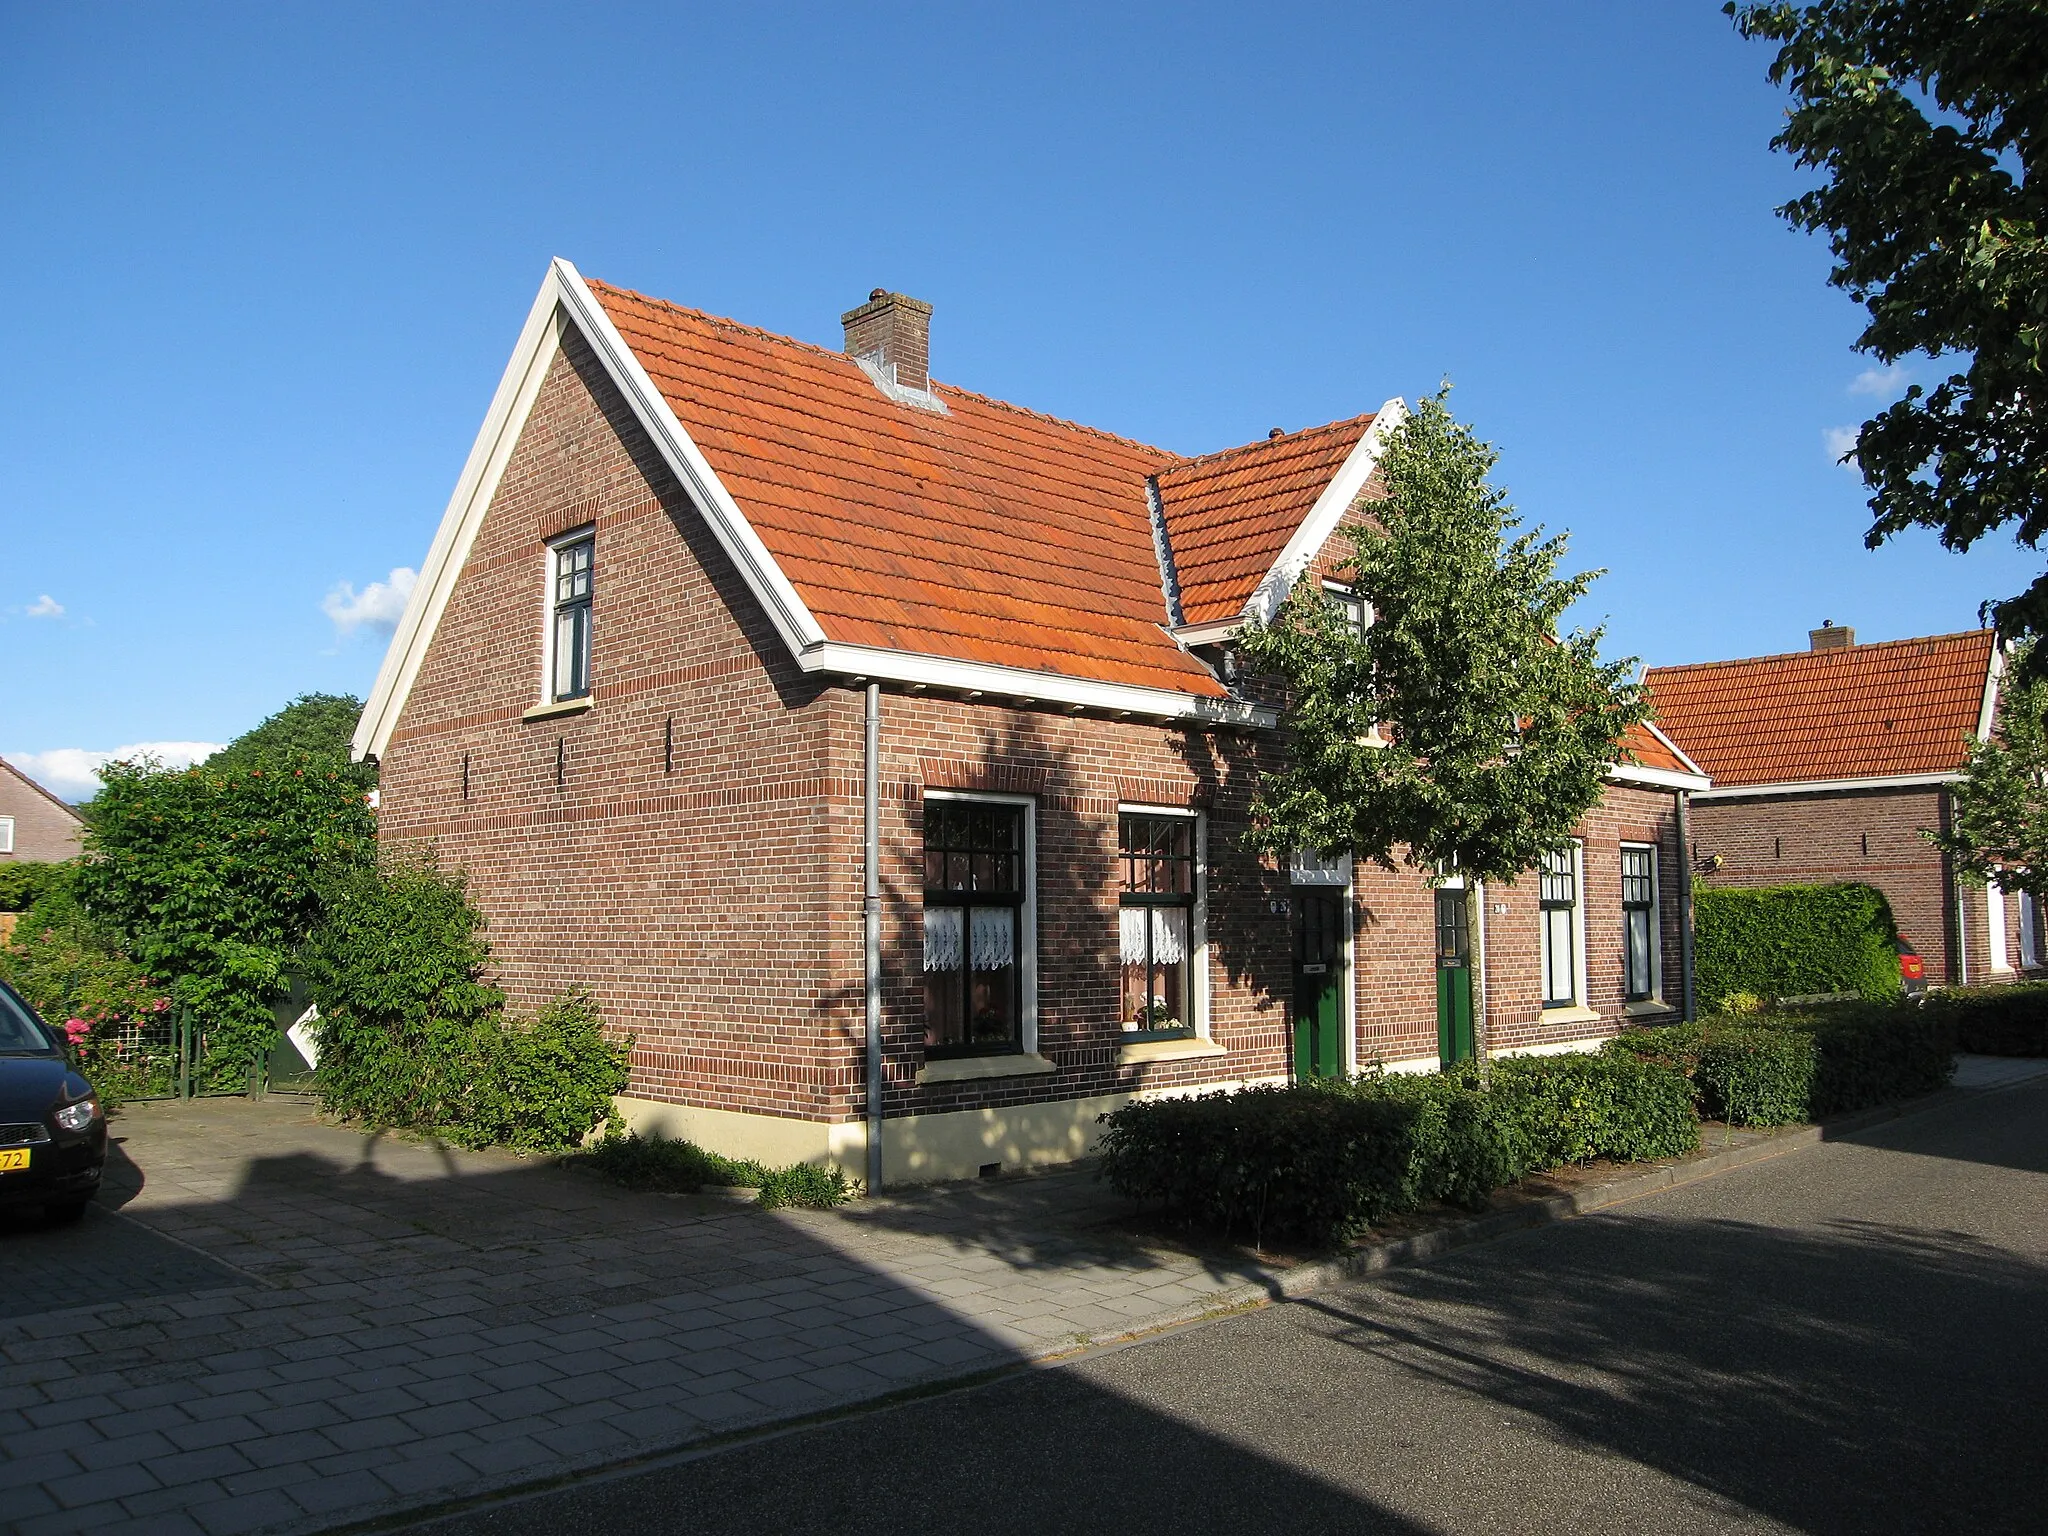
1356 611
572 572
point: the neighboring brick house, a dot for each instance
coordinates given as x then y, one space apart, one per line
704 596
1829 763
35 826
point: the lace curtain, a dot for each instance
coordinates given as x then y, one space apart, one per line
1169 934
992 944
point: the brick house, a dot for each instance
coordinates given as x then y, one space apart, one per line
1827 765
840 728
35 826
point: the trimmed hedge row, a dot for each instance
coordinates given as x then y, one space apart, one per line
1997 1021
1785 1068
1794 941
1320 1162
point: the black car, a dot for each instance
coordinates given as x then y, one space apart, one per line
53 1137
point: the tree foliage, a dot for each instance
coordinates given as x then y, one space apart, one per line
1930 120
313 724
1498 730
1998 823
210 878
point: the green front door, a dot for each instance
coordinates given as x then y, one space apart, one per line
1318 982
1453 978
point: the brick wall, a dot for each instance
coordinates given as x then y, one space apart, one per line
1872 836
45 830
690 846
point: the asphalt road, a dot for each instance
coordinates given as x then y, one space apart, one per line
1847 1339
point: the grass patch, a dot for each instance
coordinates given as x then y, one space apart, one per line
634 1161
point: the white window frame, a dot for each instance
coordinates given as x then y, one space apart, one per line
1656 924
2030 932
1027 939
1347 596
1578 1003
6 834
1198 914
1995 926
552 569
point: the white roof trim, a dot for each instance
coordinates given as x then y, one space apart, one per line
1987 712
474 488
1659 778
563 293
1013 683
1831 786
1676 750
1323 517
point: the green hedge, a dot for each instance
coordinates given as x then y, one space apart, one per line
1321 1162
1794 941
1997 1021
1788 1067
21 885
658 1163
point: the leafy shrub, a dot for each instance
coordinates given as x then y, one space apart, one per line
656 1162
411 1036
1322 1162
21 884
210 879
75 973
1741 1074
1875 1053
1997 1021
1794 941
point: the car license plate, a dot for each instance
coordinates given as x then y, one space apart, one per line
13 1159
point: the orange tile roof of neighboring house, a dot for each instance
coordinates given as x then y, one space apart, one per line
1230 514
1646 751
1864 711
988 534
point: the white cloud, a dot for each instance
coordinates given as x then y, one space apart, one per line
45 607
1880 381
1841 441
378 606
73 772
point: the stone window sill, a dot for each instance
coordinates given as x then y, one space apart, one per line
964 1069
1167 1050
556 711
1572 1015
1647 1007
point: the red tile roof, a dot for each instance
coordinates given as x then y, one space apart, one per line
1646 751
988 534
1230 514
1865 711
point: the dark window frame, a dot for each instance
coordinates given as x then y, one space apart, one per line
1639 896
571 588
954 818
1559 890
1139 871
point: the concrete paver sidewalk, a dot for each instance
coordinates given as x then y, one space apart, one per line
334 1325
276 1324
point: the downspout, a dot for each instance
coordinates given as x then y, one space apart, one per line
871 912
1688 1006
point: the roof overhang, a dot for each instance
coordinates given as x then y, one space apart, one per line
1658 778
564 299
1831 786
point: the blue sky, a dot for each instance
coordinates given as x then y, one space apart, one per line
267 263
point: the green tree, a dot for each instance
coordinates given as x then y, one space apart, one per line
1998 823
1458 729
314 724
1930 120
210 878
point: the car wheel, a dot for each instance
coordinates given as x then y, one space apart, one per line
63 1213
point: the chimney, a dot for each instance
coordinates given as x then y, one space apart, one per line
893 330
1829 638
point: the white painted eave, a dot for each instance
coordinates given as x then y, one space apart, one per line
1831 786
1323 517
1657 778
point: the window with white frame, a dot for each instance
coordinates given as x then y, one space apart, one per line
6 834
571 574
1559 892
1640 940
1356 611
1159 870
977 902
